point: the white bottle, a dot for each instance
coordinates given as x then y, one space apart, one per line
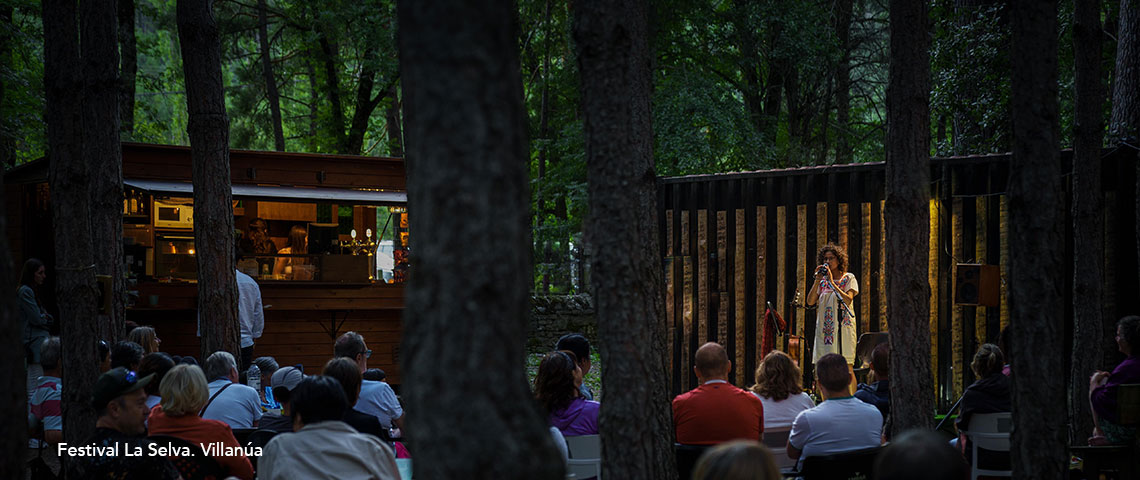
253 377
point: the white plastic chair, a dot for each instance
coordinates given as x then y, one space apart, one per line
777 442
991 432
585 456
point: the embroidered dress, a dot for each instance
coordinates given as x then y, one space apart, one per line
835 326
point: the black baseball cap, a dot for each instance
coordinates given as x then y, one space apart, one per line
114 383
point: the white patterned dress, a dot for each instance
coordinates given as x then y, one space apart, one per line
829 315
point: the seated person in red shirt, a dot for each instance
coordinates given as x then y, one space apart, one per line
716 411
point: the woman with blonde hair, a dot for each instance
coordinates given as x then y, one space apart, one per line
146 337
737 460
184 393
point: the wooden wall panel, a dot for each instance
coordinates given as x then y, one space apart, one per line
739 300
935 287
956 314
866 291
1004 260
761 278
705 286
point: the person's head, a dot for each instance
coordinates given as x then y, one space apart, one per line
157 363
988 361
283 382
346 372
920 454
120 401
267 365
317 399
711 362
184 391
375 375
577 343
834 257
34 273
832 375
737 460
352 345
258 229
188 360
104 351
296 241
881 360
778 377
146 337
1128 334
50 352
556 384
126 354
221 364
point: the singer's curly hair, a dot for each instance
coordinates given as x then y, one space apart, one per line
840 257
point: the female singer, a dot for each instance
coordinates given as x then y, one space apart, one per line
833 289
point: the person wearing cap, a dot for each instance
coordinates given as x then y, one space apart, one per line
283 381
184 392
376 398
239 406
323 446
120 405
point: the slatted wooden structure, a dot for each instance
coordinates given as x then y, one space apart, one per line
734 242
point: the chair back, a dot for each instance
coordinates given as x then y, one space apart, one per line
856 464
258 438
196 466
687 456
1128 404
777 442
241 434
989 431
585 456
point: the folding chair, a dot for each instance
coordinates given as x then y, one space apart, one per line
989 431
585 456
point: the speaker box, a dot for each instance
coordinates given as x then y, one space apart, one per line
977 284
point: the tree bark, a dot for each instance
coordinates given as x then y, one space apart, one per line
101 107
1125 120
1036 212
271 94
907 215
393 122
843 14
128 65
636 420
1088 216
209 150
366 103
331 59
7 142
460 65
13 382
75 269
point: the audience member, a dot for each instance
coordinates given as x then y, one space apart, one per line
878 393
988 394
716 412
282 383
126 354
120 406
251 317
375 374
46 414
920 454
376 398
1104 387
779 386
157 363
841 423
577 343
347 373
737 460
235 404
1005 342
145 337
323 443
34 317
268 366
556 388
104 355
184 392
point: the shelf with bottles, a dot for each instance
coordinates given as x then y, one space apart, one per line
136 206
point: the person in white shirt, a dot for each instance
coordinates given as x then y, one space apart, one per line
237 405
251 315
376 398
842 423
322 446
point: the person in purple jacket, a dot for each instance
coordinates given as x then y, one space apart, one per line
557 388
1103 387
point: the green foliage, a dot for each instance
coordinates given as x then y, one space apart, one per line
22 71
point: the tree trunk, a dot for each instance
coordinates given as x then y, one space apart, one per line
75 269
636 420
365 104
1125 122
210 153
331 59
460 65
1036 212
843 83
907 215
7 130
271 94
393 123
13 429
99 52
128 65
1088 216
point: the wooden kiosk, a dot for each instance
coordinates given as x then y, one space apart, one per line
337 283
